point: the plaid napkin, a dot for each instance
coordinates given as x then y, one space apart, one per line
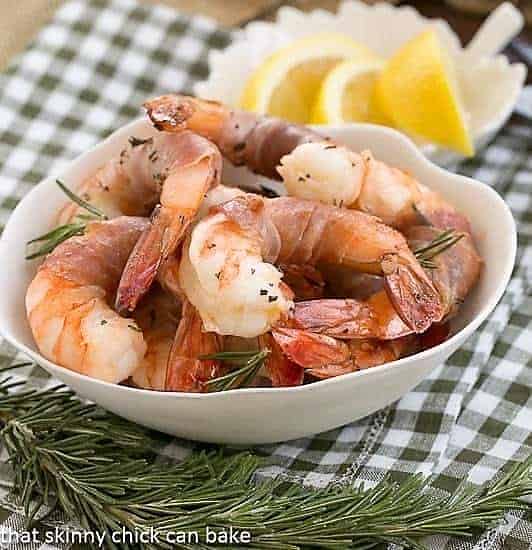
88 72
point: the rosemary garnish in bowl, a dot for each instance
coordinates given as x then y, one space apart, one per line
441 243
103 472
247 364
62 233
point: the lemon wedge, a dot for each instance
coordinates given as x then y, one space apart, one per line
346 94
286 83
417 90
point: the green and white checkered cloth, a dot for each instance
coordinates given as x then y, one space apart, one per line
88 72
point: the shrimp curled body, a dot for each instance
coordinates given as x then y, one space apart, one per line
232 251
68 303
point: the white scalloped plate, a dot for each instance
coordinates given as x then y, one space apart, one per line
264 415
490 85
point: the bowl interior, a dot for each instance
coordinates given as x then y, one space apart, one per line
491 220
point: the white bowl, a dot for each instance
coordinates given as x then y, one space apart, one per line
490 85
264 415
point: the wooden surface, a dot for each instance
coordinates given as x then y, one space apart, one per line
21 19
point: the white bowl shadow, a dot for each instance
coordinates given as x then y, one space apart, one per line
265 415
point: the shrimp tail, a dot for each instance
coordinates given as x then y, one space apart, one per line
340 318
196 169
169 114
347 318
185 370
414 297
281 370
310 350
146 257
322 356
155 246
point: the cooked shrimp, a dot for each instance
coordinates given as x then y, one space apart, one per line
173 169
322 356
312 167
230 249
311 350
454 273
223 272
130 184
315 234
278 368
334 174
346 318
191 168
158 317
68 303
186 371
244 138
319 171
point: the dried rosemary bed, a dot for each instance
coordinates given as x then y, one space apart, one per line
101 471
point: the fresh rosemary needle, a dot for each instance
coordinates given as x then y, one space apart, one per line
425 254
55 237
247 364
96 212
64 232
103 473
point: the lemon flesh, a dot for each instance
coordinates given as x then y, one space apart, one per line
286 83
346 94
417 90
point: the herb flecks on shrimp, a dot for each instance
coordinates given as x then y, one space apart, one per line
68 303
361 266
191 167
304 232
312 167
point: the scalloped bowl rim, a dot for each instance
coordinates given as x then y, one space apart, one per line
389 134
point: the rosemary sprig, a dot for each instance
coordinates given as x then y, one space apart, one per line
102 472
96 212
247 364
63 232
51 239
441 243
